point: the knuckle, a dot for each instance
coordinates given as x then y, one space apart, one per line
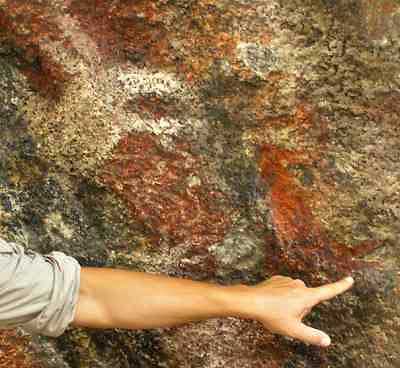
279 277
299 282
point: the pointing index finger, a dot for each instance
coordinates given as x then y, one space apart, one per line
329 291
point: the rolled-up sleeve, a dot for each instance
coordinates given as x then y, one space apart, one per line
37 292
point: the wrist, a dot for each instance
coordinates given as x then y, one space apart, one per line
236 301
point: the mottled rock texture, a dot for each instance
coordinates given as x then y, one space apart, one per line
217 140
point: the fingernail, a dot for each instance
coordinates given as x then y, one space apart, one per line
349 279
326 341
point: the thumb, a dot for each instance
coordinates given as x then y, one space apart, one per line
309 335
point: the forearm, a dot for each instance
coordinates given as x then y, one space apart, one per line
111 298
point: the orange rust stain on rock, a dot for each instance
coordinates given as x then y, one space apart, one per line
306 129
300 245
165 191
14 351
293 219
25 26
301 120
203 46
205 36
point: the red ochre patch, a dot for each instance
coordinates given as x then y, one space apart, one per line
125 29
25 25
165 191
141 32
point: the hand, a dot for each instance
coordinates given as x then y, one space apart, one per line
281 303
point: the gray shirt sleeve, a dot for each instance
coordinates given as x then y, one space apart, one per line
38 293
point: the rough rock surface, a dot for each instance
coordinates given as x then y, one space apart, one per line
217 140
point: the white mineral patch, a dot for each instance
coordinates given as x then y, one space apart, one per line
140 81
80 130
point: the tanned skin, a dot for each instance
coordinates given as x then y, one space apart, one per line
112 298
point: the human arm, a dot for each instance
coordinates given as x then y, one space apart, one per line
111 298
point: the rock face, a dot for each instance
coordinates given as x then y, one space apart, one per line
217 140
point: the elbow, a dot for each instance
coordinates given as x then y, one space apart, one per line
91 310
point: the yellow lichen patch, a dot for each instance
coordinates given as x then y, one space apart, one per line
55 221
